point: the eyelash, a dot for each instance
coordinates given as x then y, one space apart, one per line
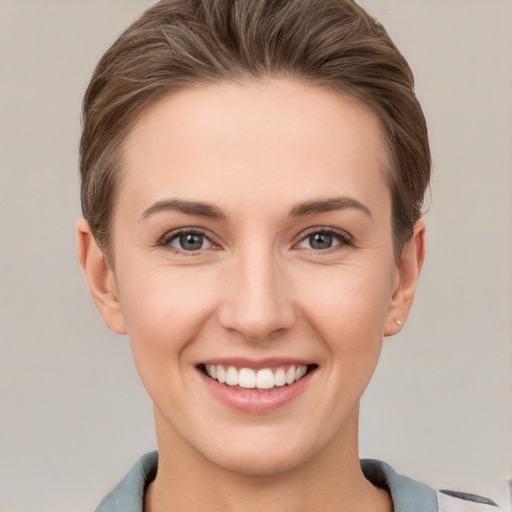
169 237
342 237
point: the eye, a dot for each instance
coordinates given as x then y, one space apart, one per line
323 239
188 241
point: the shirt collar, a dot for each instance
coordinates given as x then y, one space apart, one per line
407 494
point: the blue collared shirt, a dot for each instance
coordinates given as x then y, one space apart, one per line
407 495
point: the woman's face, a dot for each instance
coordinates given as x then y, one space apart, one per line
252 238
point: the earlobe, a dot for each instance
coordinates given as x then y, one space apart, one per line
409 268
100 278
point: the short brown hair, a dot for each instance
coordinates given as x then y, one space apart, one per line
175 43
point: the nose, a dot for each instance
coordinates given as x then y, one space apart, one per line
257 298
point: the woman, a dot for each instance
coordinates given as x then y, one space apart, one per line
253 174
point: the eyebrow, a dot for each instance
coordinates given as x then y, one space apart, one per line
327 205
187 207
212 212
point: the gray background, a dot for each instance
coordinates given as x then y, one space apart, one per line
73 415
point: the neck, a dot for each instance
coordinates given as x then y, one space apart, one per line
330 481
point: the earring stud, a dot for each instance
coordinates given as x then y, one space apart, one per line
399 322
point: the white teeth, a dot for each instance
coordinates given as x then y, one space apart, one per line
300 372
232 376
265 379
290 375
248 378
211 370
221 374
279 377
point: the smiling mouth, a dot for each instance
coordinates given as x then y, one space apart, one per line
263 379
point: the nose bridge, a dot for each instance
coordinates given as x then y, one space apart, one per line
257 302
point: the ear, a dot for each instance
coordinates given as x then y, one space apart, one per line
409 268
100 278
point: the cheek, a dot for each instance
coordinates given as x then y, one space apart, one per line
164 310
349 313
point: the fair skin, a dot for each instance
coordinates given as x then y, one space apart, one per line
253 230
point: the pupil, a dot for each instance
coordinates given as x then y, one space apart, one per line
320 241
191 241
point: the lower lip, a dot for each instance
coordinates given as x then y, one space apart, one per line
255 401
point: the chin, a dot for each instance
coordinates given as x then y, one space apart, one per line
258 462
264 453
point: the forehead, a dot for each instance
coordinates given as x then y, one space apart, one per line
271 138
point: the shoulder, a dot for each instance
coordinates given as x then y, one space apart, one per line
411 496
128 495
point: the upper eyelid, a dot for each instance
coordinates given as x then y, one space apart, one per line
215 240
325 229
173 233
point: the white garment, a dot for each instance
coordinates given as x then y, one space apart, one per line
452 504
